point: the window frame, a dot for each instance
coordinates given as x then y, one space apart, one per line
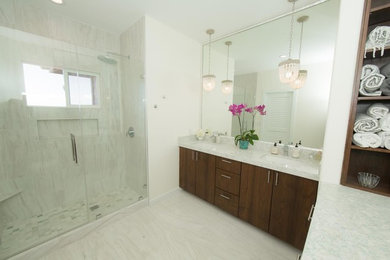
65 73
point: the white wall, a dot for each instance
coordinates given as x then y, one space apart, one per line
173 85
341 89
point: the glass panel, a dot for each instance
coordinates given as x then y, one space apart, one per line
81 89
66 157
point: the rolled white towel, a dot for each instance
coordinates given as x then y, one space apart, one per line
377 110
364 123
372 82
387 143
384 136
368 70
384 123
367 140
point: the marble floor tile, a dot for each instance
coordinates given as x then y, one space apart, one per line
179 226
23 234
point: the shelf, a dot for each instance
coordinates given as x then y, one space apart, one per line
379 14
379 150
377 54
380 98
382 188
379 7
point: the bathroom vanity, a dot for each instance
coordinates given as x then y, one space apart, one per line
274 193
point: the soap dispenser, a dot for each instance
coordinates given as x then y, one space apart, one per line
275 149
296 151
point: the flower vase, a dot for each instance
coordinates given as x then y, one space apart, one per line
243 144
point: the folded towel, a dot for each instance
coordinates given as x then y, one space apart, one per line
377 110
372 82
378 38
385 87
387 143
385 70
384 136
367 140
384 123
365 123
368 70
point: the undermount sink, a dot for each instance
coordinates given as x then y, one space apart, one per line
288 162
280 159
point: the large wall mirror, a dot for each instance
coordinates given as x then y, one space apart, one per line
254 55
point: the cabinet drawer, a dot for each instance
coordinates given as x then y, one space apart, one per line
226 201
227 181
228 165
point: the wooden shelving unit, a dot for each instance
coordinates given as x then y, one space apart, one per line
378 150
359 159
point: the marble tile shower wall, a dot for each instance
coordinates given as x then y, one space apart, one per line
37 170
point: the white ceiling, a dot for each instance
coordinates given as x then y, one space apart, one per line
190 17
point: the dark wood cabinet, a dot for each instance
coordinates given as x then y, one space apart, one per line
276 202
197 173
292 200
205 176
226 201
255 195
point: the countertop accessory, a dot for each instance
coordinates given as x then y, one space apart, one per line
368 180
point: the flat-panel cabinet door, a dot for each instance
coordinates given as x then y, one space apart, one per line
292 201
187 175
283 206
205 176
306 194
255 195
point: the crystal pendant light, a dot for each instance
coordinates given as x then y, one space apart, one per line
209 79
302 75
227 85
289 69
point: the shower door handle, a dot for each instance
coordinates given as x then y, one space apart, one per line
74 148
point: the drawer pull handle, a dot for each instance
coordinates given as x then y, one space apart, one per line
225 197
225 176
311 213
269 175
226 161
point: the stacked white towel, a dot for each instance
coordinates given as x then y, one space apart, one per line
365 123
384 123
371 81
377 110
367 140
373 129
385 137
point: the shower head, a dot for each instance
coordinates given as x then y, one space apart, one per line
107 59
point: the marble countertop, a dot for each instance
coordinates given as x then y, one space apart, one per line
256 155
348 224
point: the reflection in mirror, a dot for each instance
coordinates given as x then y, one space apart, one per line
292 115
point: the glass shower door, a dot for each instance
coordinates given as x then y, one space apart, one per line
42 188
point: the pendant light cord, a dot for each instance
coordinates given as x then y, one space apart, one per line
209 51
291 30
300 43
227 66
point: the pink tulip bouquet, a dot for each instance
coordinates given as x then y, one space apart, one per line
248 136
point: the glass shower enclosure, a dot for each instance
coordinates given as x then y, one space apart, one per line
72 124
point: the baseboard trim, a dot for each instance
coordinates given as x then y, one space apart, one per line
164 195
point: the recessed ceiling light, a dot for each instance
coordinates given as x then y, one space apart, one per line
283 56
59 2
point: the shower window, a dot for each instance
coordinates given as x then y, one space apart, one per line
54 87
